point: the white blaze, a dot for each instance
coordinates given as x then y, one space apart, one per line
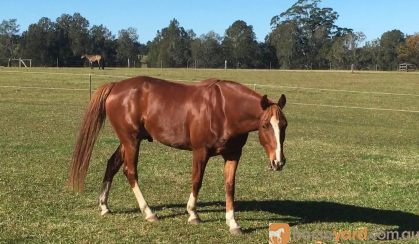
274 122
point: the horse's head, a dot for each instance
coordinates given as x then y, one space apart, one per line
272 126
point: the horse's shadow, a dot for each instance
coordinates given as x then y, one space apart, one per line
306 212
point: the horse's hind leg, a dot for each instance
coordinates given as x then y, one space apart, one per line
114 164
130 170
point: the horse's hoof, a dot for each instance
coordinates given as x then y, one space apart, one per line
152 218
105 212
236 231
194 221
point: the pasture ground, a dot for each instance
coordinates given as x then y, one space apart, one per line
347 167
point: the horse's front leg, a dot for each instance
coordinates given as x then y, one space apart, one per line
199 162
230 167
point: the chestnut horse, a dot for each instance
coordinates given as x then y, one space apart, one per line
94 58
212 117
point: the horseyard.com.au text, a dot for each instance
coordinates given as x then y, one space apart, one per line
281 233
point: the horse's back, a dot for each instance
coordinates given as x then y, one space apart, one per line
157 96
169 91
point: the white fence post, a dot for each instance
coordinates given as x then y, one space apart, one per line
90 86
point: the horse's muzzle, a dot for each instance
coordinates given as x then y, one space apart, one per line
277 165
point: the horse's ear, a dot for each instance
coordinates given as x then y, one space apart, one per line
282 101
264 102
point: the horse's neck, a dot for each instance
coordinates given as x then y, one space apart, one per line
250 112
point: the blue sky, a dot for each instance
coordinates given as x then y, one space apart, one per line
373 17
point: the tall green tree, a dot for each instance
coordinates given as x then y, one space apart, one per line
9 38
344 50
73 38
409 51
206 51
171 47
311 30
40 43
285 38
240 44
76 28
368 55
99 39
128 45
390 43
265 56
102 42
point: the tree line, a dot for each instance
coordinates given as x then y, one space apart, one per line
305 36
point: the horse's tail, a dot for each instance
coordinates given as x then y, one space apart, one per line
93 120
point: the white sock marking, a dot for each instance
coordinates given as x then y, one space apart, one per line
103 198
230 221
141 201
191 207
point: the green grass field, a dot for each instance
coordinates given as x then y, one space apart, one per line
352 151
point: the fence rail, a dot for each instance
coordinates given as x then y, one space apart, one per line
254 86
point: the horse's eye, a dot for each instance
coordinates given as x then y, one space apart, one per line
266 126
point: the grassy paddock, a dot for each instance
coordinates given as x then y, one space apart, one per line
347 167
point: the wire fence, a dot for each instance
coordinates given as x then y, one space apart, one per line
254 86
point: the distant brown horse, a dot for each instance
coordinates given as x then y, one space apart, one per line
94 58
212 117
